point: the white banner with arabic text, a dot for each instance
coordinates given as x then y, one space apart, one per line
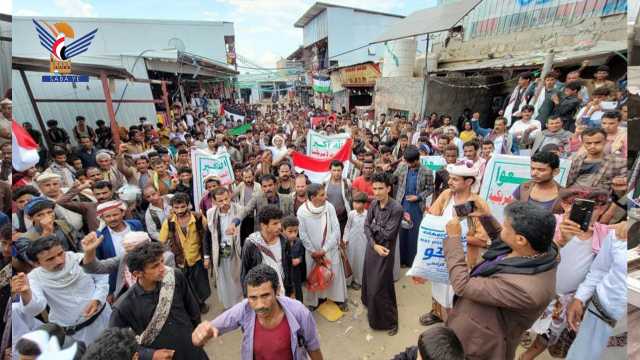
205 164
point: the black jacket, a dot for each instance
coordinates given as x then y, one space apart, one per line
252 256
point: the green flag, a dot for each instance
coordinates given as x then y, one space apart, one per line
240 130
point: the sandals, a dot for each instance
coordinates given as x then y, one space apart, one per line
429 319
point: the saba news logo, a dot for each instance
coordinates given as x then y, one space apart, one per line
55 39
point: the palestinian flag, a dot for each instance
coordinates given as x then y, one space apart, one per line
321 84
318 170
25 149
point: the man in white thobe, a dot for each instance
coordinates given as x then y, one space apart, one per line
320 235
225 247
76 300
606 286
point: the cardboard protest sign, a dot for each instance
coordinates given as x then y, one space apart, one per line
204 164
504 173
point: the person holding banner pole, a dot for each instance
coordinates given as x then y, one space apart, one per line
461 177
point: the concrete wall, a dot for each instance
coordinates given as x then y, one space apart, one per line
400 93
586 34
451 100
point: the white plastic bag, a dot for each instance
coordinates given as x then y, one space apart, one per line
429 262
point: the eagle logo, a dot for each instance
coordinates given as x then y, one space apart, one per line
56 37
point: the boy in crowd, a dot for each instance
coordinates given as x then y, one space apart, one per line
298 265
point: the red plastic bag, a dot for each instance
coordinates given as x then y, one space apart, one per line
320 276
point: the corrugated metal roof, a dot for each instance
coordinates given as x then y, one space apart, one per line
563 57
319 7
428 21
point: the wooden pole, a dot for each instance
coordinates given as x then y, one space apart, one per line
115 130
36 110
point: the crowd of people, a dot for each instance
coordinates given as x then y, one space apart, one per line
114 257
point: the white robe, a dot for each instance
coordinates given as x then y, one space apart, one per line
311 237
357 243
68 303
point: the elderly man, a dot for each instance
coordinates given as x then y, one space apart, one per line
108 169
320 235
226 248
50 186
503 296
112 213
76 300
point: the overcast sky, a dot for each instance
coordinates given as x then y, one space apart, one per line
264 28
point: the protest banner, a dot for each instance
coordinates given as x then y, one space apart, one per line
429 262
433 163
325 146
503 175
205 164
239 130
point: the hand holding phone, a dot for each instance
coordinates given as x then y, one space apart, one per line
581 213
463 210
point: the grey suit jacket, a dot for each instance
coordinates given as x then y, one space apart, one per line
258 202
424 185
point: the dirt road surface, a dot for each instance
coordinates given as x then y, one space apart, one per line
350 338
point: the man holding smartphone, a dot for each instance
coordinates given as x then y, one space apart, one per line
457 201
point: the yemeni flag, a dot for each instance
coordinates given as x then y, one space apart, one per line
316 169
25 149
321 84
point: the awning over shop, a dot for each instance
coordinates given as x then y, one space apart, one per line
564 57
427 21
187 63
43 65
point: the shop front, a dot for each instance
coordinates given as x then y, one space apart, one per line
359 81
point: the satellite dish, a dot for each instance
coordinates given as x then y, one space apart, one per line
177 44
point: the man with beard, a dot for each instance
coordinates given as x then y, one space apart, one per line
160 307
503 141
211 183
471 152
285 182
51 187
184 232
225 249
594 167
320 234
487 149
381 228
244 192
415 184
76 300
300 197
109 172
140 174
498 300
461 178
363 182
87 152
112 213
339 192
60 167
78 200
273 326
136 145
553 134
542 189
269 196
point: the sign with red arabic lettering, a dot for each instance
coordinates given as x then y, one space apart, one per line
503 175
360 75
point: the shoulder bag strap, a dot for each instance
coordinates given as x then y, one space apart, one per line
162 310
